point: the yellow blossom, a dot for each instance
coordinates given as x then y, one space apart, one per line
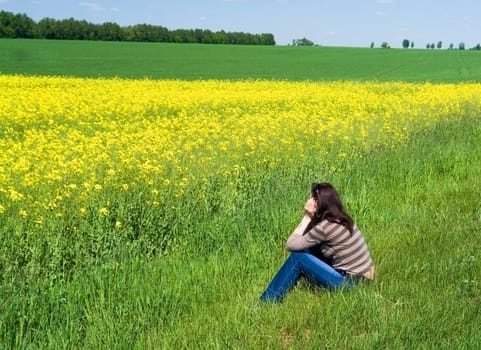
63 137
104 211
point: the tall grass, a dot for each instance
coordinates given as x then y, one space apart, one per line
418 206
86 282
92 169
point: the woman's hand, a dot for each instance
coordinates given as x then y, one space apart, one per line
309 211
310 207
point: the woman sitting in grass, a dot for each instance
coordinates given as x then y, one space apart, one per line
326 247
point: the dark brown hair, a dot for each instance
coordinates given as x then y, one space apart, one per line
329 205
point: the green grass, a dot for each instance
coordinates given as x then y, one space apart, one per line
418 207
197 61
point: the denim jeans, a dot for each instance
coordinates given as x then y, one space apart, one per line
304 264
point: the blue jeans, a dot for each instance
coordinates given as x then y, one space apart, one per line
304 264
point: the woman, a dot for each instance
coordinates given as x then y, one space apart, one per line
327 247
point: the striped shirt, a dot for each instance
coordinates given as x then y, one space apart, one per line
340 249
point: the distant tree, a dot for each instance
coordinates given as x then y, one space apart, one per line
268 39
47 28
7 29
182 36
220 37
109 31
477 47
412 44
432 46
385 45
302 42
451 46
461 46
406 43
208 37
372 44
26 27
439 44
90 31
428 46
17 26
68 29
151 33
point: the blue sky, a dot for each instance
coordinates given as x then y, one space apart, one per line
326 22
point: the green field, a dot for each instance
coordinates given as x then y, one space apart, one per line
179 61
418 205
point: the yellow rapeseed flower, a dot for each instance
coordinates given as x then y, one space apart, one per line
164 135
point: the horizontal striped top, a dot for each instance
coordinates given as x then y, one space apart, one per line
340 249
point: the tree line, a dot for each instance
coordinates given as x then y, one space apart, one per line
21 26
439 45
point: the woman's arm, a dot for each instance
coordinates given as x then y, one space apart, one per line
296 241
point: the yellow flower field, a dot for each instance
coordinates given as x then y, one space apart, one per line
64 141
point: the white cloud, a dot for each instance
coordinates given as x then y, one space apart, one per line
3 1
92 6
381 13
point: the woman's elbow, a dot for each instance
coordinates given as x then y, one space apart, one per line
290 246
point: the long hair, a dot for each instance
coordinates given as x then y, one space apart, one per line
329 205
